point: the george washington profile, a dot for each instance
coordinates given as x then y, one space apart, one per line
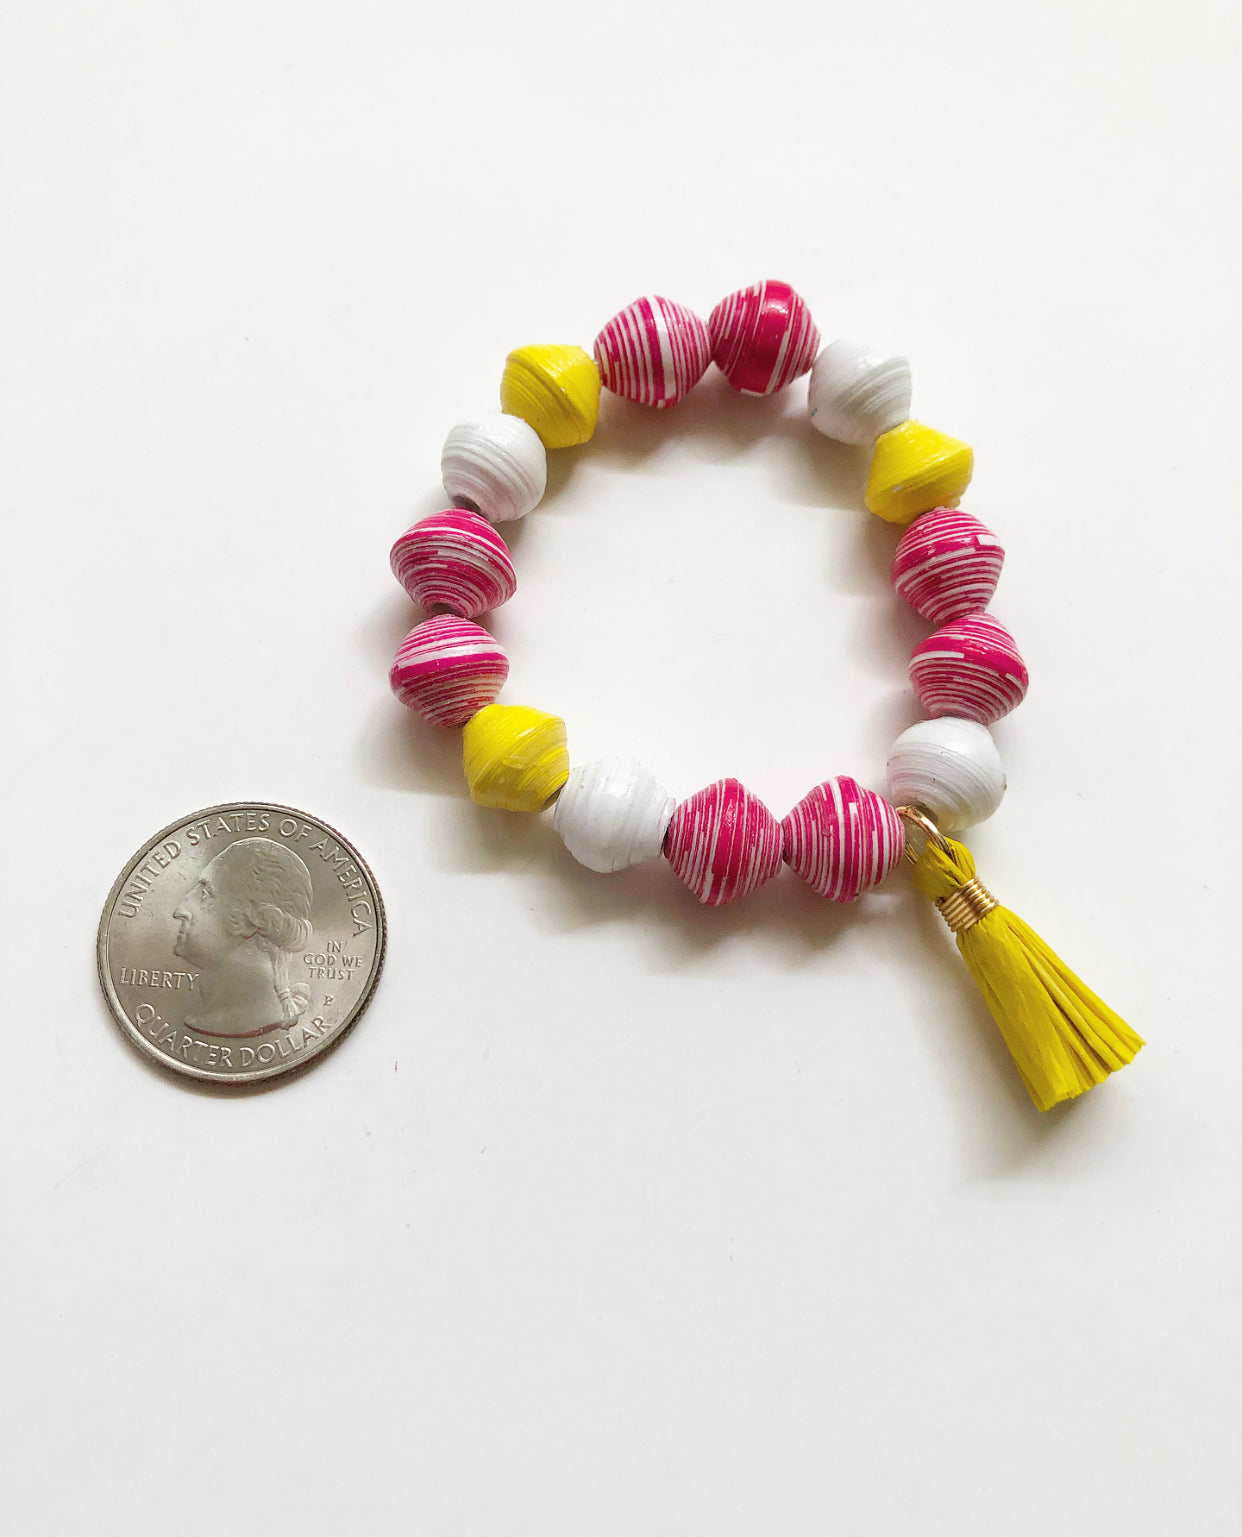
247 913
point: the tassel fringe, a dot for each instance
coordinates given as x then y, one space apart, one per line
1063 1039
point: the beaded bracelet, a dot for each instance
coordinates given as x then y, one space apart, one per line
944 774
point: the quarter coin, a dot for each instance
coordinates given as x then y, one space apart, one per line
241 942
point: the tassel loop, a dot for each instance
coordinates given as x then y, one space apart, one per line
1063 1039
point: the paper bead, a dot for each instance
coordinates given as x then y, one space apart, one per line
971 668
842 839
723 842
497 466
515 758
915 468
612 813
653 351
950 769
858 391
947 564
556 390
762 337
454 560
447 668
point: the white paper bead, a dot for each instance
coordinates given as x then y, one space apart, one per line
950 768
613 813
497 466
858 391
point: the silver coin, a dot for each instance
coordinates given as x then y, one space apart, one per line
241 942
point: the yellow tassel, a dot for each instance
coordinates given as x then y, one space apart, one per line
1064 1040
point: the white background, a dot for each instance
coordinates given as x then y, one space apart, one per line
618 1215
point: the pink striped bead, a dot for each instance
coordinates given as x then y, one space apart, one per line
653 351
762 337
448 669
842 839
947 564
454 560
723 842
970 668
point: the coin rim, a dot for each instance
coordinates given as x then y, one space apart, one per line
275 1070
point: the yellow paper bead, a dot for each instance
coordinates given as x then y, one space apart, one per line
555 390
915 468
515 758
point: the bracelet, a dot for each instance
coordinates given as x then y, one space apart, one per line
944 774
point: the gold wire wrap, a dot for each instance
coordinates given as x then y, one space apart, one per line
963 908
